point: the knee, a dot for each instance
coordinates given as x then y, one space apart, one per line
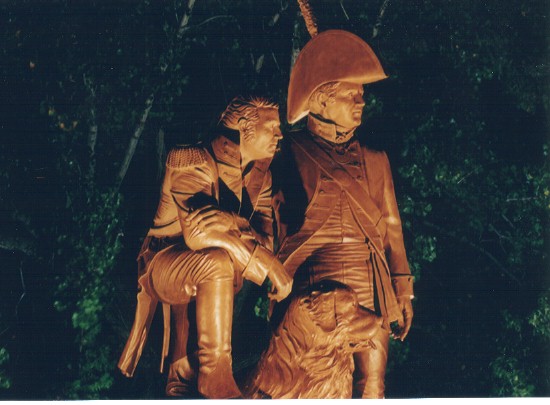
220 265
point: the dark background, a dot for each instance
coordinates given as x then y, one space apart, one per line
463 117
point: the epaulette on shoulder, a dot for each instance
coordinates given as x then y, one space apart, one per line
186 155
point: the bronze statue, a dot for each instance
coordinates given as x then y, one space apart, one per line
310 353
213 227
335 205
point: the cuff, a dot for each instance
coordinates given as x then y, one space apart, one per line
258 266
403 285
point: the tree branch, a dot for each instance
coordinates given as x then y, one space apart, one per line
378 24
134 141
185 19
275 60
148 104
92 129
277 15
23 286
260 61
295 42
160 152
344 10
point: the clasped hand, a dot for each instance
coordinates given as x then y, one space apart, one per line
210 218
211 226
281 281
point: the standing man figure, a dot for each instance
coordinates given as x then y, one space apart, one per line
334 199
213 227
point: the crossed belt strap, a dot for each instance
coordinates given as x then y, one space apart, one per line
340 175
363 201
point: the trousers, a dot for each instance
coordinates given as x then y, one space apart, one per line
174 276
350 264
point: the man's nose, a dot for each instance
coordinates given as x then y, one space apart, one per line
278 134
359 101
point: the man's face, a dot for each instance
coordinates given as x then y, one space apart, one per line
347 108
266 134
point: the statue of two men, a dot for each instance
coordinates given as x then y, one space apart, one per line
335 210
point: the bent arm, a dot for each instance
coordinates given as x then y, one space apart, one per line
204 224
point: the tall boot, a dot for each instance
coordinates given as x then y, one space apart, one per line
370 368
214 322
181 373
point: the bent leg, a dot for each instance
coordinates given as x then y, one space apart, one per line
370 368
177 274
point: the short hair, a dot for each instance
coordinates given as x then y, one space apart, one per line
329 89
245 108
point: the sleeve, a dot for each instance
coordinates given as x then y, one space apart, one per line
190 182
262 219
259 232
394 247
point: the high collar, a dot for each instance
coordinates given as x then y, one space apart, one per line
327 130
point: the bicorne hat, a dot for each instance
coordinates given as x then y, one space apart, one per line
333 55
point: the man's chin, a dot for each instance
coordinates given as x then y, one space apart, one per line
270 155
352 125
357 120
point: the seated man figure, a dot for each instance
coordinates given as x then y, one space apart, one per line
213 227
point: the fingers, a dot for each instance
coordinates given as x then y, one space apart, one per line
405 324
209 220
196 215
280 292
206 217
397 329
407 315
195 232
274 297
278 295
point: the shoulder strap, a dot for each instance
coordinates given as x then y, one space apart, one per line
366 206
338 173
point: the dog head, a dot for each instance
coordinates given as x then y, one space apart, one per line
331 308
310 353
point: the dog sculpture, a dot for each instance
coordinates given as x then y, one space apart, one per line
310 355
